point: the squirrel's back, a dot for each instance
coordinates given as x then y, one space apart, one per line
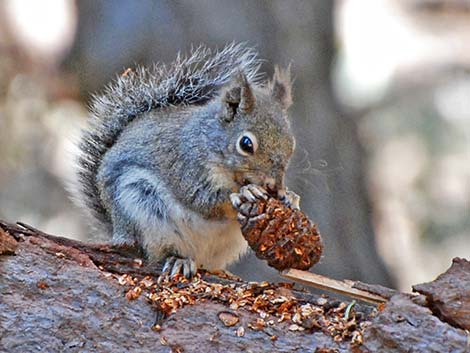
189 80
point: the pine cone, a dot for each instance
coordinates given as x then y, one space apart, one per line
276 231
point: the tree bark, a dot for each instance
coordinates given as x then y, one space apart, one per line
59 294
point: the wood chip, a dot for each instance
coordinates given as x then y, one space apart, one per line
240 331
8 244
228 319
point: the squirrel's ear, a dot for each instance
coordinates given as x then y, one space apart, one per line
281 87
239 97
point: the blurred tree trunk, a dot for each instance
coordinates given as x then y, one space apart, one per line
327 170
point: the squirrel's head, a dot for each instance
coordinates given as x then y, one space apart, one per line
257 130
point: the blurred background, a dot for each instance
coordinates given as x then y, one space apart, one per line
381 113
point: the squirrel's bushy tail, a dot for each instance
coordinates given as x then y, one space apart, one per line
191 79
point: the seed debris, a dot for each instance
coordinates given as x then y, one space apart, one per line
273 304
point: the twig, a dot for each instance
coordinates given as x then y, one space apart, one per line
333 285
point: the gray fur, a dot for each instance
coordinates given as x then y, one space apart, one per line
159 160
192 79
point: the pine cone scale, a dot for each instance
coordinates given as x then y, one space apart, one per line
283 236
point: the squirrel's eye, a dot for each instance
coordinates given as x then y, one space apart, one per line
247 144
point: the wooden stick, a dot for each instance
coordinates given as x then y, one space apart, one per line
333 285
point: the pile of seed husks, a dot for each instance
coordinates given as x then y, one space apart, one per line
274 304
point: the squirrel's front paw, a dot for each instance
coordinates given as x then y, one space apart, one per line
174 265
252 193
290 199
249 193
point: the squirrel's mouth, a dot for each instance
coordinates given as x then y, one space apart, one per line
267 182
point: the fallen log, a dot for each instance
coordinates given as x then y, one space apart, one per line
58 294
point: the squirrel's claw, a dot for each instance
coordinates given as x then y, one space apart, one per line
236 200
242 202
249 193
174 265
290 199
252 193
258 191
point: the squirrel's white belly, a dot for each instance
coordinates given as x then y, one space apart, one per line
211 244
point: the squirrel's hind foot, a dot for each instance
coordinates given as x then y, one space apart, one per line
174 265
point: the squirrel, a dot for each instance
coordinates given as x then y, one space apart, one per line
169 147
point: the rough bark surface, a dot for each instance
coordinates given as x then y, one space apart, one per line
405 327
449 295
57 295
